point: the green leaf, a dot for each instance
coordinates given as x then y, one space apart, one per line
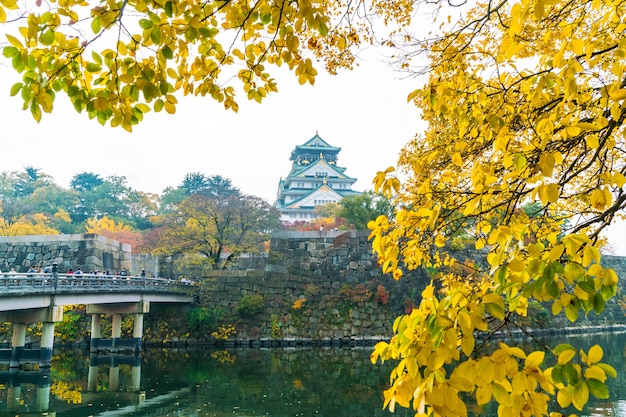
597 388
91 67
570 374
608 292
266 18
18 62
562 348
142 108
608 369
35 111
323 29
31 64
47 37
598 303
155 35
15 89
9 51
145 23
96 25
72 91
167 52
96 57
552 288
168 9
557 374
587 287
158 105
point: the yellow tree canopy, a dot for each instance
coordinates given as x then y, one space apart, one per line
524 157
97 225
37 224
118 60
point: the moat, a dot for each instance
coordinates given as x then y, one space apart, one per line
281 382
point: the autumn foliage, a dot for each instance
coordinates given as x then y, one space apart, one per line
525 108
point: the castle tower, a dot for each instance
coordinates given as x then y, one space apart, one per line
314 179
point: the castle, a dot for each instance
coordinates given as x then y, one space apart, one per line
314 179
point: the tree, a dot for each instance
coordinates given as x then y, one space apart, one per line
360 209
117 61
85 181
525 104
112 197
219 187
29 180
209 226
194 182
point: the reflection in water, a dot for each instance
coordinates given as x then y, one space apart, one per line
243 382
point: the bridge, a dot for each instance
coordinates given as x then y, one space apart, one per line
29 298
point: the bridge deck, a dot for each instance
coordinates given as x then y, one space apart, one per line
34 290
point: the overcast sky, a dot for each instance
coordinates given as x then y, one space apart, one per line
363 111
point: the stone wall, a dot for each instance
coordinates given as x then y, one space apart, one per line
325 285
89 252
315 285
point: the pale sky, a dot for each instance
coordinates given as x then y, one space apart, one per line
364 111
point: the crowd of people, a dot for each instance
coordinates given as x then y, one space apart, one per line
49 269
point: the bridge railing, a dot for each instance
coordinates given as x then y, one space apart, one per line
10 282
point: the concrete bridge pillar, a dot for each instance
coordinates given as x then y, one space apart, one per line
43 398
135 377
17 343
116 331
92 378
47 344
114 377
14 397
138 329
96 331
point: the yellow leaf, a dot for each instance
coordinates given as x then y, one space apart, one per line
580 396
556 252
595 372
548 193
467 344
591 254
618 94
14 41
483 394
566 356
457 159
501 395
101 104
534 359
517 265
564 397
595 354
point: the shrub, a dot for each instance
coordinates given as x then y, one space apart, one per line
250 305
204 319
382 295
